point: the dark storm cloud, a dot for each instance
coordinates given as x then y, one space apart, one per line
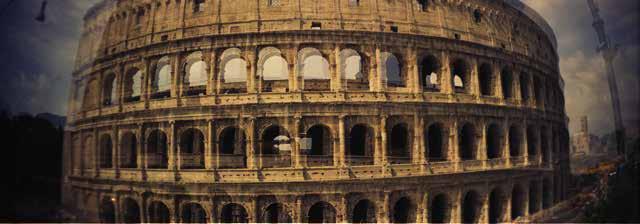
37 59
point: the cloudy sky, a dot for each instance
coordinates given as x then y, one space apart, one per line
37 58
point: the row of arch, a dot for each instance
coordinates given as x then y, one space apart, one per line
273 69
232 142
474 207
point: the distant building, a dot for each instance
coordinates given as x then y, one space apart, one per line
583 143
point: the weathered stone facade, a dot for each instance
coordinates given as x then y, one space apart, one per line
417 111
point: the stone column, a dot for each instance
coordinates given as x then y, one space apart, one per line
446 79
145 89
296 152
383 209
506 214
209 145
526 198
251 80
505 147
337 81
382 159
141 152
339 156
413 70
299 218
474 77
251 158
524 151
497 72
378 78
117 208
294 79
484 210
96 153
115 151
454 154
342 216
482 139
418 156
423 208
173 152
212 88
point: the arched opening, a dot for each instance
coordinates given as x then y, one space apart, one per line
274 70
109 93
233 72
195 74
467 142
157 155
314 69
128 151
321 151
233 213
524 87
133 85
435 139
399 144
471 206
161 80
534 200
360 145
403 211
544 146
321 212
429 73
276 213
392 70
515 142
354 70
275 147
364 212
232 148
532 141
507 83
423 5
192 149
106 152
517 202
158 213
107 211
193 213
439 209
460 76
496 206
131 211
485 74
494 141
547 198
538 86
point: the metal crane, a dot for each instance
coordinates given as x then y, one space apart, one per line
609 53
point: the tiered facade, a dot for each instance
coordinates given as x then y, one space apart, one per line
315 111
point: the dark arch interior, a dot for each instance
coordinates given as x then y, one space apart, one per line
435 140
486 80
320 140
192 149
129 154
402 211
494 143
233 213
322 212
524 87
515 142
128 87
534 201
232 141
459 68
466 142
157 150
158 213
430 66
507 83
131 211
471 207
517 202
107 211
360 145
268 142
106 152
532 140
193 213
399 141
547 200
544 146
495 206
364 212
439 209
108 89
276 213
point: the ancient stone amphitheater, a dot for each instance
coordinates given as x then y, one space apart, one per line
315 111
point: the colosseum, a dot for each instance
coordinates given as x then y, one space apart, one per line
315 111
